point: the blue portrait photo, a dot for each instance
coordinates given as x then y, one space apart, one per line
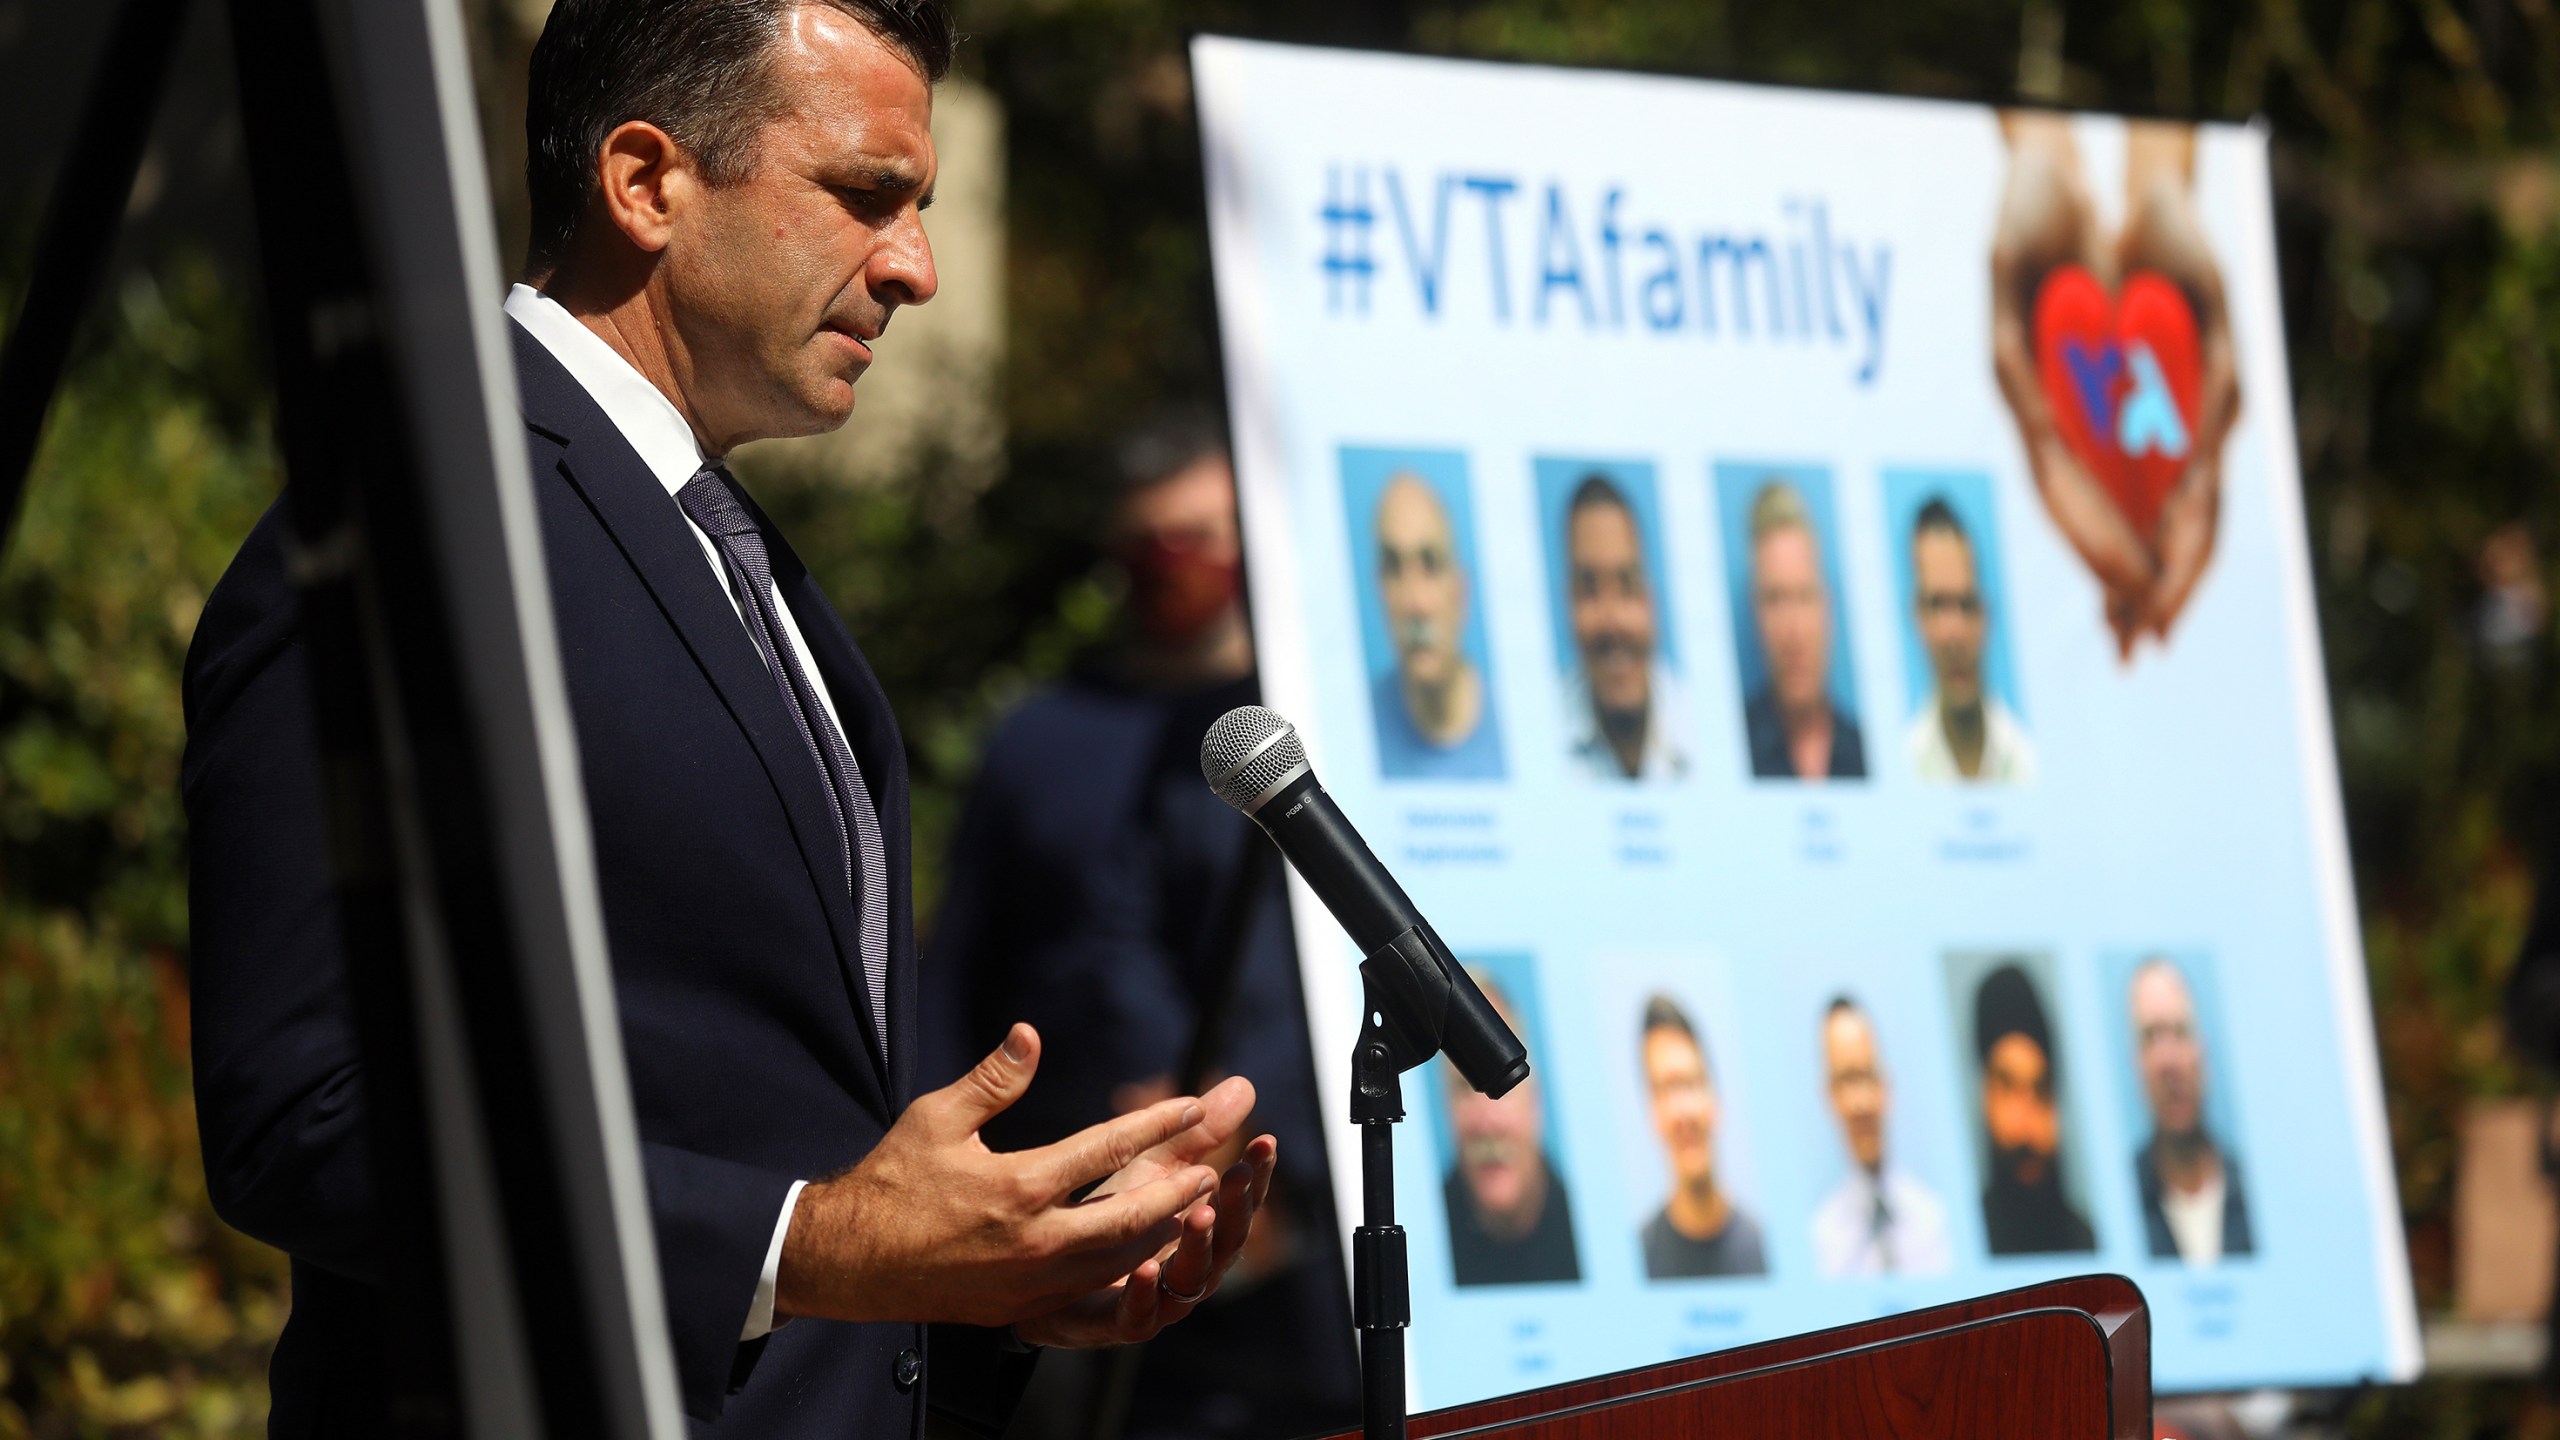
1790 640
1502 1167
2169 1041
1966 723
1421 626
1618 661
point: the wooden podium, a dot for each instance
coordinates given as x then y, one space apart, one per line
2068 1360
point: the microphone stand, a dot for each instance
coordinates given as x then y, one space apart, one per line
1406 991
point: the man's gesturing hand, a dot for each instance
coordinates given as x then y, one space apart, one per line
934 1226
1168 1287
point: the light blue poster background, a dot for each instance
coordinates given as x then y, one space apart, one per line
1503 263
1969 495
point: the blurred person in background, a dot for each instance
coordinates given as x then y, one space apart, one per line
1510 1220
2024 1211
1621 705
1963 732
1435 714
2193 1207
1698 1230
1086 885
1880 1221
1796 729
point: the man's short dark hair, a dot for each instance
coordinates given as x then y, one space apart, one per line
1661 1012
1937 514
1597 489
701 70
2006 1005
1169 443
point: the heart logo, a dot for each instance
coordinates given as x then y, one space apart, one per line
2124 376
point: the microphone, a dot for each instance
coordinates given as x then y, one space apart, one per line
1253 759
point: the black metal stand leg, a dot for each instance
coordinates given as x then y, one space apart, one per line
1381 1295
1412 991
1382 1305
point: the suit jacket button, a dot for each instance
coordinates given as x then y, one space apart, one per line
908 1369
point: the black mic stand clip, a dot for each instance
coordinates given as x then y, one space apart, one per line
1406 991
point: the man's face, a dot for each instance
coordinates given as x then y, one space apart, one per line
1612 600
1418 578
2167 1051
1858 1095
1952 622
1178 540
1498 1145
1794 611
1684 1103
775 286
2018 1110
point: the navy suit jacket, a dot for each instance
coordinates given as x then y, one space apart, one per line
745 1016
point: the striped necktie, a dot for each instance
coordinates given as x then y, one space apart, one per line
711 502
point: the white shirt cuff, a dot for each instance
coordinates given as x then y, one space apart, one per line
760 1322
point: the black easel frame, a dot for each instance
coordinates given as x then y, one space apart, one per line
512 1219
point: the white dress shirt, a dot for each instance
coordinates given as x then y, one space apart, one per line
2007 755
1666 720
1908 1236
2195 1219
666 444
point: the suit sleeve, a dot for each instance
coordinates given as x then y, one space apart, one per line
280 1092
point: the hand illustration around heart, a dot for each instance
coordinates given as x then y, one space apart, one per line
2114 355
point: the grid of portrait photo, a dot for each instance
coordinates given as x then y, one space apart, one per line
1629 693
1674 1186
1935 1127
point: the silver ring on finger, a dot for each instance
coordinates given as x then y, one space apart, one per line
1194 1298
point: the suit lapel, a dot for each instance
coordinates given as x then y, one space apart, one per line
655 538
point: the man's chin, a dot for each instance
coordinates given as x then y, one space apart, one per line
1427 670
1621 714
822 413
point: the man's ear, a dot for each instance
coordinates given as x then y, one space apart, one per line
644 177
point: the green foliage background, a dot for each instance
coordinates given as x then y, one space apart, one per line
125 1307
2419 222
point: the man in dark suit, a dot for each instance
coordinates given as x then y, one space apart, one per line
726 204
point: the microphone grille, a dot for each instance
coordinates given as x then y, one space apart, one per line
1250 750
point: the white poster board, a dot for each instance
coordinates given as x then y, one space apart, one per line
1618 451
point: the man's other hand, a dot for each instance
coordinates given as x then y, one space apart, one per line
934 1226
1172 1283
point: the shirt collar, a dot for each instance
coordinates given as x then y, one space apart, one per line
1662 718
643 413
